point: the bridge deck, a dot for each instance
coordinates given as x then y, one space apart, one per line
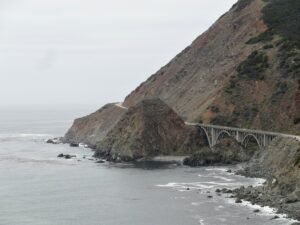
244 130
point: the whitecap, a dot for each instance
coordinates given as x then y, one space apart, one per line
195 203
201 222
216 169
264 210
223 178
184 186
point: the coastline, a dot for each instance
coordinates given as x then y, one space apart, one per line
262 195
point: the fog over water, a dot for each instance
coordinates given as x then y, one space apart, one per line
92 51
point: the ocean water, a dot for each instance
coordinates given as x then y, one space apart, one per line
37 188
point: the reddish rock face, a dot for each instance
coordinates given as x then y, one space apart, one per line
151 128
94 127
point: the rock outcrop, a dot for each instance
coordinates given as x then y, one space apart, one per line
280 165
227 151
151 128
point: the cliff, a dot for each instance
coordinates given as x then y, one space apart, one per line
94 127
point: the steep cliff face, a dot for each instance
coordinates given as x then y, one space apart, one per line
150 128
94 127
244 71
196 77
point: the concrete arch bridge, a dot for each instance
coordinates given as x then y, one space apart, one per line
243 136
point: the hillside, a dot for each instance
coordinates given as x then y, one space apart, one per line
244 71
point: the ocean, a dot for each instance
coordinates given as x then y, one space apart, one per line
37 188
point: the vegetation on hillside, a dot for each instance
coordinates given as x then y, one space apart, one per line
254 66
283 17
241 4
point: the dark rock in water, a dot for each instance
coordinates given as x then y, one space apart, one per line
54 141
291 200
218 190
238 201
69 156
149 129
91 147
226 191
276 217
188 189
229 171
256 210
74 145
100 161
50 141
60 155
209 196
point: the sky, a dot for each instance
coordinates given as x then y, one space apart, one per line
92 51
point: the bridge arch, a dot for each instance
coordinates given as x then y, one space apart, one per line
222 133
247 138
206 134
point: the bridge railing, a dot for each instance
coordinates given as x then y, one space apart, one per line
244 130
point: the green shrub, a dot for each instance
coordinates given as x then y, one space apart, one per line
263 37
282 17
297 159
253 67
297 120
268 46
281 89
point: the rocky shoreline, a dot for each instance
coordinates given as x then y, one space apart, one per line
279 164
151 129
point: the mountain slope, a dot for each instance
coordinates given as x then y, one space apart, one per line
195 77
244 71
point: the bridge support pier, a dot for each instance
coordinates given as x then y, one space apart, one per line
242 136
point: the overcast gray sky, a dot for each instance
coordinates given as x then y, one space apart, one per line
92 51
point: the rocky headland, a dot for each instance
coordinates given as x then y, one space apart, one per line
149 129
244 71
